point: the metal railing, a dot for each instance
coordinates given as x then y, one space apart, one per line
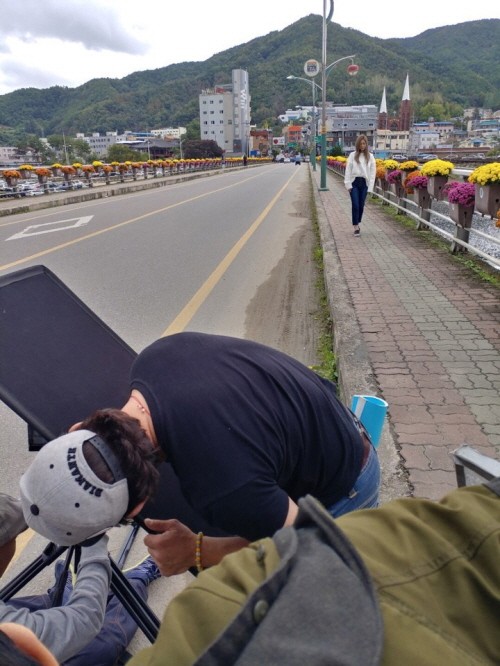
473 239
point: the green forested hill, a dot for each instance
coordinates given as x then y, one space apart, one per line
458 66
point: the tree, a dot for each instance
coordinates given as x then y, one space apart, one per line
201 149
81 150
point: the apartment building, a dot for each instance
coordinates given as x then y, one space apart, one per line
225 114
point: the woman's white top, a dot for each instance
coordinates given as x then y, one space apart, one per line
364 169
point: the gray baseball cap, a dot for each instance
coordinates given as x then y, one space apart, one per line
62 498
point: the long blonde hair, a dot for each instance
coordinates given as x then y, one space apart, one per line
359 152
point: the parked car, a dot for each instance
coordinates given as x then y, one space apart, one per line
71 185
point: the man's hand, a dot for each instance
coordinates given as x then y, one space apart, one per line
174 549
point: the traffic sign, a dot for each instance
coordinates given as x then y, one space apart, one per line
312 67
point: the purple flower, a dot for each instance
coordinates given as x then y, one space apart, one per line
394 176
418 182
460 193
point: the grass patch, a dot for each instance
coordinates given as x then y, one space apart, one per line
327 366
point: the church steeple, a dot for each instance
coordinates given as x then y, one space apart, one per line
382 115
405 108
406 91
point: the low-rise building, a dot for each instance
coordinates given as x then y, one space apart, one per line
345 123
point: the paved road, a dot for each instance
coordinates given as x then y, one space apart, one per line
418 329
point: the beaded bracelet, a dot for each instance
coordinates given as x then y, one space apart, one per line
197 552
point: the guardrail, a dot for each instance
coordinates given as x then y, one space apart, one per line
473 239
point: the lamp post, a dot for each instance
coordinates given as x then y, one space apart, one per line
326 18
313 85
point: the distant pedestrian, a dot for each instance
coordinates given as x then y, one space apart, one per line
359 179
245 160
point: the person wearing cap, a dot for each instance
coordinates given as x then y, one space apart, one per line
73 492
248 430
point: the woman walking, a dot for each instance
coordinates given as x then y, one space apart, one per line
359 179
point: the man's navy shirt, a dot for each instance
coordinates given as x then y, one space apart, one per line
245 426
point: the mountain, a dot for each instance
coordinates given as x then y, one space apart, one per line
456 64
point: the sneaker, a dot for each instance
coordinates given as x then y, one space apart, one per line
147 570
357 231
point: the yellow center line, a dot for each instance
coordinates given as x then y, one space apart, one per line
192 307
62 246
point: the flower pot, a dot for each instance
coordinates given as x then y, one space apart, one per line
11 181
461 214
421 197
488 199
435 186
398 190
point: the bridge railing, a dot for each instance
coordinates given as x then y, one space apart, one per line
435 216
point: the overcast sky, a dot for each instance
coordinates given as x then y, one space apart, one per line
68 42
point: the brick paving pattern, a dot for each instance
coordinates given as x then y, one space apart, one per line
432 334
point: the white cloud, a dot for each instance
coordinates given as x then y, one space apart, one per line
69 42
92 24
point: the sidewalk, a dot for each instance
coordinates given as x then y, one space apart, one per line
418 329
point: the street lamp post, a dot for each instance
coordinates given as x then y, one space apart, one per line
326 18
313 85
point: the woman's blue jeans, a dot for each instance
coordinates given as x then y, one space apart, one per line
364 493
358 196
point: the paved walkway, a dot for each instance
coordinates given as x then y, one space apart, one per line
417 328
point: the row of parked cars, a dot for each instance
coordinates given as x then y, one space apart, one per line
35 189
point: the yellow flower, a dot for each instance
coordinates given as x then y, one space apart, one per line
437 168
410 165
390 165
486 174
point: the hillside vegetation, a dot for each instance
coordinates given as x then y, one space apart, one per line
458 66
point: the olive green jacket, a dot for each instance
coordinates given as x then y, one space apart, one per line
304 597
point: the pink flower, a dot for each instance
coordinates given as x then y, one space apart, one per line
460 193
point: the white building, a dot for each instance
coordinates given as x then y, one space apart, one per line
169 132
225 114
100 143
8 155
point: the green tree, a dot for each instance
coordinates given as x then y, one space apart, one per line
122 153
201 149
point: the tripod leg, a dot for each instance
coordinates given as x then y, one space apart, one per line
49 554
61 581
127 545
145 618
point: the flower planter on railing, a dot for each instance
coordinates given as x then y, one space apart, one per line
488 199
398 190
461 215
435 186
421 197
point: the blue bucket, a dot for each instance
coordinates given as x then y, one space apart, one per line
371 411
